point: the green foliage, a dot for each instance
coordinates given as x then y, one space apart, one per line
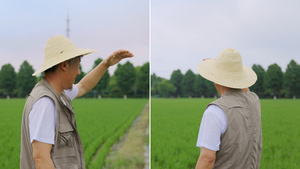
104 81
176 79
155 80
187 83
142 80
125 76
165 88
8 79
292 79
113 87
273 79
200 87
25 80
175 125
100 124
258 87
79 77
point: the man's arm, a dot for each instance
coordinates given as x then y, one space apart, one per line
91 79
41 155
206 159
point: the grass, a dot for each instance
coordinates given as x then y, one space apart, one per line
100 124
175 125
129 152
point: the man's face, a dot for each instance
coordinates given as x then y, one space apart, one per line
72 73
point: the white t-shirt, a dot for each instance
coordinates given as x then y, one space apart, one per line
213 125
42 117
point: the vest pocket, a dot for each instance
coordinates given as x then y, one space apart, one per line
65 135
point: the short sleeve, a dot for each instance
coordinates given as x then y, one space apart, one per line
42 121
213 125
72 93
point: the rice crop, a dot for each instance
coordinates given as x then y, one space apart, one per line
100 123
175 124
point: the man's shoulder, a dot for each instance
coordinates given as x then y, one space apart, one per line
40 90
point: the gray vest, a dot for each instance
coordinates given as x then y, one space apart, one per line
67 151
241 143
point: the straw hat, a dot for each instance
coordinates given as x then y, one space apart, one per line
59 49
227 70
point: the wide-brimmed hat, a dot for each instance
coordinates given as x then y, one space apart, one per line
227 70
59 49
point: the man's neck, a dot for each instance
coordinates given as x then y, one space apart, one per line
221 89
54 82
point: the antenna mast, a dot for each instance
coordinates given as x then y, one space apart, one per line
68 29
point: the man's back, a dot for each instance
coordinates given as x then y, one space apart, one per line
241 143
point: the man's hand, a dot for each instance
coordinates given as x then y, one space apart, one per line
41 155
91 79
117 56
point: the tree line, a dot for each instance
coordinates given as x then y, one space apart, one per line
127 81
271 83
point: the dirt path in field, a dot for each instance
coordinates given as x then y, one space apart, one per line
132 150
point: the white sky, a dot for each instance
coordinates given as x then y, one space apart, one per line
25 27
185 32
182 32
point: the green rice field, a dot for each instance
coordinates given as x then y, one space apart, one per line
100 123
175 124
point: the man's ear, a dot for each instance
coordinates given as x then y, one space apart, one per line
64 66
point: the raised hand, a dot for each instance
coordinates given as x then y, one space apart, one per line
117 56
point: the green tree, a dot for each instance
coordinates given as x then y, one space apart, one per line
142 80
79 77
273 80
176 78
210 89
258 87
199 86
292 79
155 80
8 79
113 88
187 83
103 83
25 80
165 88
125 76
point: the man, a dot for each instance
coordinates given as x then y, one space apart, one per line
49 136
230 135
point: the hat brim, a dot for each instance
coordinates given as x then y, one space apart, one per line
237 80
64 57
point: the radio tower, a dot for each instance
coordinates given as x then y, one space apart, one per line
68 29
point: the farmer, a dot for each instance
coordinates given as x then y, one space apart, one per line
49 136
230 134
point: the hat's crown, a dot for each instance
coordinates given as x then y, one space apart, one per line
229 60
57 45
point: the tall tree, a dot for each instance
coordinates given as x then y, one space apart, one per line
103 83
25 80
155 80
187 83
8 79
176 78
114 90
142 79
199 86
292 79
258 87
79 77
125 77
165 88
210 89
273 80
